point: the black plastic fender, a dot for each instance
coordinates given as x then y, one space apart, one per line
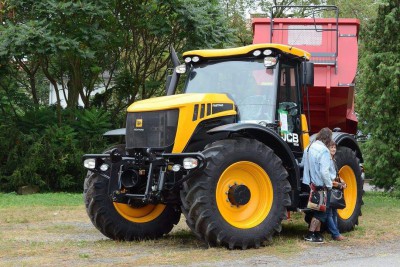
346 140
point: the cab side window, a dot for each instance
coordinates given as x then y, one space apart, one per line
287 84
288 95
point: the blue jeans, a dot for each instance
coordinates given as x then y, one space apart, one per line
332 222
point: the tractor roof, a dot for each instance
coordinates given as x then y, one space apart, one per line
245 50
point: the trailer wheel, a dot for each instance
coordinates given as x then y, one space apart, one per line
121 221
240 199
350 172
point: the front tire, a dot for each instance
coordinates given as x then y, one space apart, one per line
249 219
123 222
350 171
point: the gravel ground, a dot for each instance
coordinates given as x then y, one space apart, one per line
328 254
379 254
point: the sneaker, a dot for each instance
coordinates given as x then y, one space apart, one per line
309 237
339 238
312 237
319 237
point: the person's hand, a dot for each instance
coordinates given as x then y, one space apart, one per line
339 185
344 185
335 184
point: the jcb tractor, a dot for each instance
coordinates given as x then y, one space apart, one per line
224 153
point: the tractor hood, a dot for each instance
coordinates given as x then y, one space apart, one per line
178 101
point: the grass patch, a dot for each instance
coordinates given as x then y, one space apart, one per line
47 199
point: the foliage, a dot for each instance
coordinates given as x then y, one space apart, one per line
89 125
65 38
77 46
379 92
36 151
288 12
236 12
364 10
150 29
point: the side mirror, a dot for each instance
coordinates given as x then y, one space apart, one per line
307 73
270 62
172 82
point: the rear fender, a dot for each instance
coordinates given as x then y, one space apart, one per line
346 140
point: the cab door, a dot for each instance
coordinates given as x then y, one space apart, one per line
289 106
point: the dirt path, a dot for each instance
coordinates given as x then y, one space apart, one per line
65 236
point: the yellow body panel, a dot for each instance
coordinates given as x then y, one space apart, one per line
186 105
305 136
229 52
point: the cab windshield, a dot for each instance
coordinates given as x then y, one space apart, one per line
247 82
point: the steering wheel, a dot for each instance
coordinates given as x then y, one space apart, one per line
290 107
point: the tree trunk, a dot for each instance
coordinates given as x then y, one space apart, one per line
46 72
32 79
75 84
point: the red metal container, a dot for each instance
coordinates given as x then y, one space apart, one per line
334 51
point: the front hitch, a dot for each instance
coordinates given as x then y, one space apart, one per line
158 167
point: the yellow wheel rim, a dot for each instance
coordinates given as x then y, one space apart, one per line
258 182
139 215
350 193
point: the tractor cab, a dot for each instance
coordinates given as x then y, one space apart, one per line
264 81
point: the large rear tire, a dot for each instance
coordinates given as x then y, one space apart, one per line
121 221
237 165
350 171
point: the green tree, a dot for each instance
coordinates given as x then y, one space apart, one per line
364 10
74 44
237 13
288 12
379 94
66 39
148 29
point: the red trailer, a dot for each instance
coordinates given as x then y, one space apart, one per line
333 47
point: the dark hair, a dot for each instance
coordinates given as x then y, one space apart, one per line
332 143
325 136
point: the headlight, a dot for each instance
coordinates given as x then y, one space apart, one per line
104 167
188 60
176 168
89 163
256 53
195 59
267 52
190 163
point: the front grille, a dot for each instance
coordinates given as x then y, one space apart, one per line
155 129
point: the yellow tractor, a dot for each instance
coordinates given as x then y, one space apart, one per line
224 153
